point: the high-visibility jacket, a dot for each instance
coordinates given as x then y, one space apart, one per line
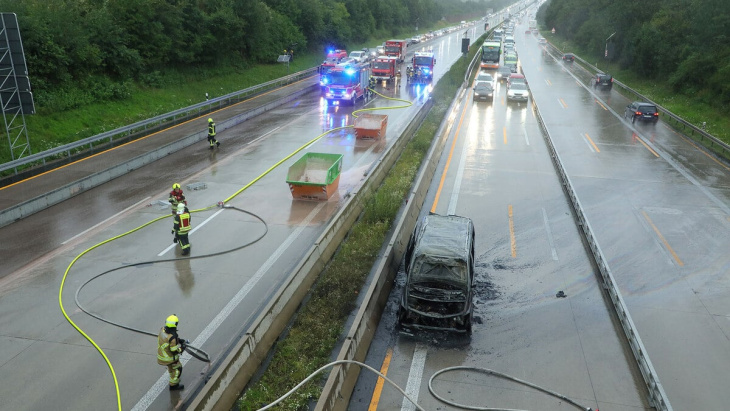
176 197
211 129
168 348
182 223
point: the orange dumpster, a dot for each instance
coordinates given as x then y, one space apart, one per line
315 176
371 126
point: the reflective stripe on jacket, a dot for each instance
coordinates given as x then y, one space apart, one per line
182 223
211 129
168 349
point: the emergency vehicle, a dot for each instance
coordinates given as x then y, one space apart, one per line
422 69
385 68
396 48
347 83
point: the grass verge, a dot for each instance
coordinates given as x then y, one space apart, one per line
691 108
319 324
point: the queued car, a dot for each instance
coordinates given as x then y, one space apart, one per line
641 111
359 56
483 76
503 73
517 92
569 57
603 80
541 40
483 90
516 78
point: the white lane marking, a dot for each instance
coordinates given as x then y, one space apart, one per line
115 215
549 234
459 177
162 382
524 131
414 377
171 246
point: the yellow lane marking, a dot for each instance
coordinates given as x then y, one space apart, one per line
147 136
661 237
562 102
592 143
502 99
578 83
379 385
690 142
504 134
513 241
451 153
601 104
548 82
647 147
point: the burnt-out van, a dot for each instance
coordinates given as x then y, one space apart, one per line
439 263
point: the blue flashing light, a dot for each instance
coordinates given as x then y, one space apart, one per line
330 51
350 71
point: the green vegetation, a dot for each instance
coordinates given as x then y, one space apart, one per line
675 52
318 325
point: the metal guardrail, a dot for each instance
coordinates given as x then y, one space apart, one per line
694 131
657 397
186 112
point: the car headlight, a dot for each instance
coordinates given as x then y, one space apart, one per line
476 94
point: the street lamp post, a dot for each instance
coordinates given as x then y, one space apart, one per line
605 53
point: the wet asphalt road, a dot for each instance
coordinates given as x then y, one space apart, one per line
659 209
45 362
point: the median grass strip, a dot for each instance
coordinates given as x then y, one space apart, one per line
313 335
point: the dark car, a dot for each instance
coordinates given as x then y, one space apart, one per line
483 91
641 111
569 57
439 262
603 80
503 73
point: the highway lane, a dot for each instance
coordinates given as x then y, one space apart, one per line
528 248
659 207
44 362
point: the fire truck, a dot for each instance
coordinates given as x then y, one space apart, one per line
346 83
334 57
396 48
422 69
385 68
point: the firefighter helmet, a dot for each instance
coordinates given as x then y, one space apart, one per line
180 208
171 321
176 186
210 120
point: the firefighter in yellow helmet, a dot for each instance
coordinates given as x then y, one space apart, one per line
181 228
176 197
169 349
211 134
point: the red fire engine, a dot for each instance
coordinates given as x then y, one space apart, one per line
347 82
422 69
385 68
396 48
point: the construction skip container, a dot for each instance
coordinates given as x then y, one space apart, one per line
371 126
315 176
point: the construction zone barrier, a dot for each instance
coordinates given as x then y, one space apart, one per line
315 176
371 126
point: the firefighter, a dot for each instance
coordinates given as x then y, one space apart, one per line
169 349
371 86
176 197
211 135
181 227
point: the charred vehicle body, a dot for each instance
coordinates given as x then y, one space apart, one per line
439 265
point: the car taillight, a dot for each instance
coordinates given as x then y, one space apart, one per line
656 114
638 113
611 80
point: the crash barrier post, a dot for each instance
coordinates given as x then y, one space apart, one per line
715 144
657 397
145 126
34 205
244 359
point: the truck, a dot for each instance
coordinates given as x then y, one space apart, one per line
346 83
421 72
385 68
396 48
